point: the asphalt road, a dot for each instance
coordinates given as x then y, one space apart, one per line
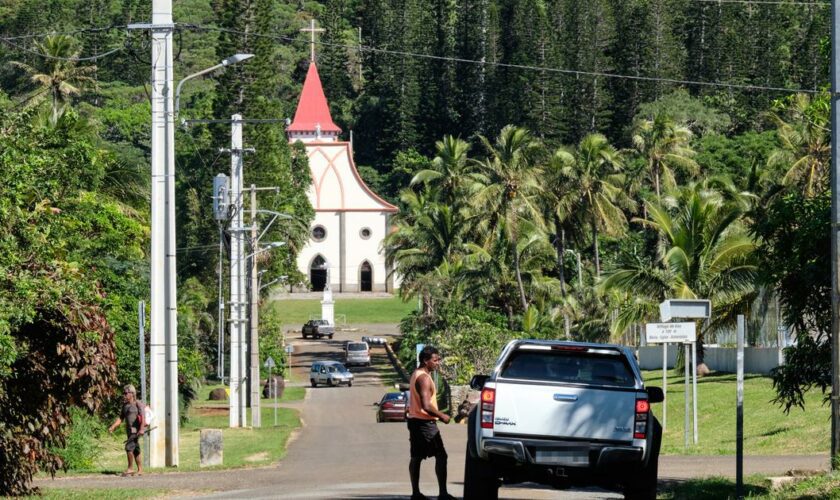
341 452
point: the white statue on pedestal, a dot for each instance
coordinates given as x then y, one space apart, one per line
328 304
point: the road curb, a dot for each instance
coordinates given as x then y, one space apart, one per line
395 361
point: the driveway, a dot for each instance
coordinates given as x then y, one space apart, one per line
341 452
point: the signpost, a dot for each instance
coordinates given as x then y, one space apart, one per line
272 385
418 348
739 413
686 309
658 333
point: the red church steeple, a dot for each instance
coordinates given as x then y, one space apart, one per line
312 117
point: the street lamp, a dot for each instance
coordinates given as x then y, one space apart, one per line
236 58
276 280
273 244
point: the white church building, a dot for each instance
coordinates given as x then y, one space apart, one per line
345 238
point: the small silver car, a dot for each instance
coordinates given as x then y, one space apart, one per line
330 373
357 353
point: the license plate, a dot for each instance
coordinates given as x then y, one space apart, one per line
563 457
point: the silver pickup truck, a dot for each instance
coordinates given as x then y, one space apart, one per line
563 414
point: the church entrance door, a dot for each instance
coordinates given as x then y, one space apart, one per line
366 278
318 274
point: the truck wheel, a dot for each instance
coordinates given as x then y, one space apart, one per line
331 335
479 481
643 486
312 381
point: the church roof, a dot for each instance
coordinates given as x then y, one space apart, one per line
313 109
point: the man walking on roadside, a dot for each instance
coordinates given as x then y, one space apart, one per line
423 414
135 425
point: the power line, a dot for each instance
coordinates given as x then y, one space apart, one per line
68 33
767 2
72 59
202 247
601 74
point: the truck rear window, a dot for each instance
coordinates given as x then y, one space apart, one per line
570 367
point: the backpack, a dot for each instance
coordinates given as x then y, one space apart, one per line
145 415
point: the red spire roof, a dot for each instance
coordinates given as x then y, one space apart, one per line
312 108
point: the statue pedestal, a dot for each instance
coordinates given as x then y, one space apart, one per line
328 307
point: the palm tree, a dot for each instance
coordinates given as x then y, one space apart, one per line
489 277
59 77
705 253
428 235
450 174
664 145
511 192
593 172
804 144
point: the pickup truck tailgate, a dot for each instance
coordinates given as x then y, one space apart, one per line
557 411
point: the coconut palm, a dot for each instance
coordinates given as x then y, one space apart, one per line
558 204
664 145
58 77
428 234
593 173
451 172
705 253
804 145
489 276
511 192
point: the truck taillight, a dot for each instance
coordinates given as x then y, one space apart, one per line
488 405
642 412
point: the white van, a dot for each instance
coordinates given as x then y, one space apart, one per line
357 353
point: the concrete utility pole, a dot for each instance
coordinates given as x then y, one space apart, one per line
163 348
237 278
835 237
254 382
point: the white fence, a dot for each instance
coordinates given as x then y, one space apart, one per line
759 360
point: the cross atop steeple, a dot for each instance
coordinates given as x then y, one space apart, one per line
312 30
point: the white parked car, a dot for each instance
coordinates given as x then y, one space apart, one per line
329 373
357 353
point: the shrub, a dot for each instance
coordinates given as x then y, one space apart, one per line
82 445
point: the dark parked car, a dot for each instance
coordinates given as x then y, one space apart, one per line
391 407
317 328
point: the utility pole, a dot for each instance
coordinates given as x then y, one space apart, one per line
163 348
835 237
239 340
254 382
237 278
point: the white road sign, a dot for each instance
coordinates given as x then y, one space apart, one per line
290 348
658 333
269 363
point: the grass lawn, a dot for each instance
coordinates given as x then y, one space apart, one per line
822 486
290 394
242 447
388 310
767 429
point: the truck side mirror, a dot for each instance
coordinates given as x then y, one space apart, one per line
478 381
655 395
